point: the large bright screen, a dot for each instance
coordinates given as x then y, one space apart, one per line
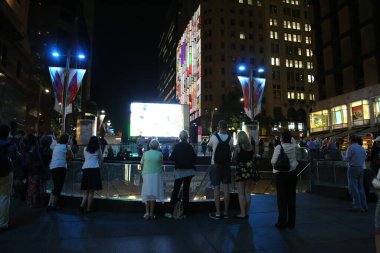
158 120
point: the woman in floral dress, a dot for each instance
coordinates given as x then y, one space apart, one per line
244 155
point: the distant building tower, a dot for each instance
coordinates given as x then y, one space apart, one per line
217 38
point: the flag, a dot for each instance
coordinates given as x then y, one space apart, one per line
247 94
75 82
57 79
258 87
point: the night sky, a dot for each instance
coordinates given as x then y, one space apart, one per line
125 55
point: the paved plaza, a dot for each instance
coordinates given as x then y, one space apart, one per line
323 225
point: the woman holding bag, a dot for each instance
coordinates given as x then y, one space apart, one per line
91 180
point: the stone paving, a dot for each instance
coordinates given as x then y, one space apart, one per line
323 225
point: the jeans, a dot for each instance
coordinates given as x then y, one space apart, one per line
5 199
356 187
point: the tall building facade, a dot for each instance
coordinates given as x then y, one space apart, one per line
348 60
220 36
15 64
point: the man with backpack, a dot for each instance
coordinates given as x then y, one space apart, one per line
221 144
7 151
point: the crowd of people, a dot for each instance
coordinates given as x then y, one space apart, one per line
27 162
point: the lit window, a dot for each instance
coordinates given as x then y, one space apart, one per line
307 40
299 38
311 97
309 65
309 52
299 51
275 61
272 61
273 22
298 26
310 78
294 37
258 3
294 26
250 2
242 36
307 28
241 1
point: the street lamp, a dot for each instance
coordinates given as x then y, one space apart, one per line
68 55
212 117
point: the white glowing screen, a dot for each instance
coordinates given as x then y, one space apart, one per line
158 120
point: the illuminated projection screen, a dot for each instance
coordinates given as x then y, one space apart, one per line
158 120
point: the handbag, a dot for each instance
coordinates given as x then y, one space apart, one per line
376 181
137 179
283 163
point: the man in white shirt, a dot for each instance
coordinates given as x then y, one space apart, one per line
220 171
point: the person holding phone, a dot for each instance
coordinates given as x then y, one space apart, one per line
58 166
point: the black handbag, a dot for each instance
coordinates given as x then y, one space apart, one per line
283 163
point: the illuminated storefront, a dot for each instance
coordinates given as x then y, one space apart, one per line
360 113
339 117
319 121
376 109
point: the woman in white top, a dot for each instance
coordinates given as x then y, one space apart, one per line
91 180
58 166
286 182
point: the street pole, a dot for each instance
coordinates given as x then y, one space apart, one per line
65 90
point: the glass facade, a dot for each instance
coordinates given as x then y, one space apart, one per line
319 121
360 113
339 117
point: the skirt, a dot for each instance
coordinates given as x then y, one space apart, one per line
152 187
91 179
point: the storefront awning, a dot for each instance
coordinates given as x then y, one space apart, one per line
369 130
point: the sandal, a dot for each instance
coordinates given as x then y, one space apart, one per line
146 216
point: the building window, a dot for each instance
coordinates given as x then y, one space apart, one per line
309 65
273 22
310 78
275 61
273 35
309 52
307 39
242 36
241 1
273 9
250 2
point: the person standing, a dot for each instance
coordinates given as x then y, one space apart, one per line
286 182
91 180
355 156
58 165
153 185
7 153
221 144
204 146
140 145
184 158
243 155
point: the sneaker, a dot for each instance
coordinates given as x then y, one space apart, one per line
215 216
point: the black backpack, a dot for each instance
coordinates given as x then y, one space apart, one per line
283 163
222 153
5 160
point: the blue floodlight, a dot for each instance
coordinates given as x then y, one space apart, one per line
242 68
81 56
260 70
55 54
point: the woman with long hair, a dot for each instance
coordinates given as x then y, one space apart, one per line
153 185
91 181
58 166
243 155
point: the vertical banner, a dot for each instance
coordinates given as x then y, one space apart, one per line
258 86
57 75
357 113
75 82
247 94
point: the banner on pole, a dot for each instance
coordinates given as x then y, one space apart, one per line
258 87
247 94
75 78
75 82
57 75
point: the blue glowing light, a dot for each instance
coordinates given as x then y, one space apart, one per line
55 54
81 56
242 68
260 70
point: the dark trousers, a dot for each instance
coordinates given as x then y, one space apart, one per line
185 193
58 176
367 179
286 183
